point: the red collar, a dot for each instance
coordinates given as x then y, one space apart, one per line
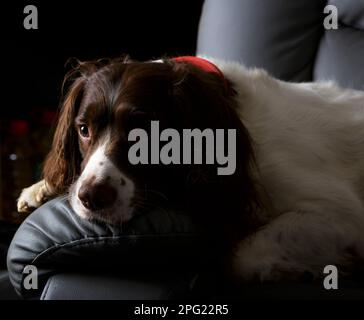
204 65
201 63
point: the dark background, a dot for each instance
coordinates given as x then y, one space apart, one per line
33 67
35 59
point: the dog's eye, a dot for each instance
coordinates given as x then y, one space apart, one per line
84 132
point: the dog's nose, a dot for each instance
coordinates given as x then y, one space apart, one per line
97 196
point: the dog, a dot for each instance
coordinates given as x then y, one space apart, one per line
296 200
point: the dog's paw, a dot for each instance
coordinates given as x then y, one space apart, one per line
43 194
33 197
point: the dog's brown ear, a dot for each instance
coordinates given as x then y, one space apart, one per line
209 101
62 164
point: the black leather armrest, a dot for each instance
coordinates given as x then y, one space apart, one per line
55 239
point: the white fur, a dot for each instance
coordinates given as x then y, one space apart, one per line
100 167
33 196
309 145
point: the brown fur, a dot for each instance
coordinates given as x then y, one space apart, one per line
113 94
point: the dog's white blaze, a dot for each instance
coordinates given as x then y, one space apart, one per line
100 168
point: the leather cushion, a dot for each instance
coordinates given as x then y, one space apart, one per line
54 238
287 38
351 12
340 57
277 35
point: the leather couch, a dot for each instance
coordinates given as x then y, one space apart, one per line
161 255
287 38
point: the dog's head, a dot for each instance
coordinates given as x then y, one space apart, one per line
105 101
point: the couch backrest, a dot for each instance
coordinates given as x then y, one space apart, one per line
287 38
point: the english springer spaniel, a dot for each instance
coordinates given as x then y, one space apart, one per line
295 202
